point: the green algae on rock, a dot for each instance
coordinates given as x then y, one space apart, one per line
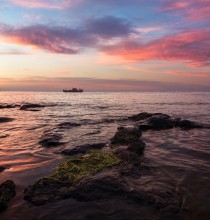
58 185
77 168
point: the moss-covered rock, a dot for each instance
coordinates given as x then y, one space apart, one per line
75 169
58 185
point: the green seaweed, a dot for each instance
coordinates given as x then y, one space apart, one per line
77 168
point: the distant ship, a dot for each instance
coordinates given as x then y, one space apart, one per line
73 90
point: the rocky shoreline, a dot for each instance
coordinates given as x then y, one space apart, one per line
107 171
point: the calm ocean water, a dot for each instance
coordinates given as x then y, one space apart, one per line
182 157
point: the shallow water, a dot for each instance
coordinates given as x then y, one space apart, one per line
182 158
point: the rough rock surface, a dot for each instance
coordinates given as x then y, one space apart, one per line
58 185
118 181
126 136
7 192
82 149
159 121
140 116
186 124
129 137
30 106
51 140
68 125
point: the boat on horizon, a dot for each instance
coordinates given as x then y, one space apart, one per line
73 90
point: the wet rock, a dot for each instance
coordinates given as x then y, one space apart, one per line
186 124
30 106
7 192
140 116
58 185
82 149
2 168
5 119
145 115
51 140
44 190
137 147
104 185
68 125
126 136
157 122
105 177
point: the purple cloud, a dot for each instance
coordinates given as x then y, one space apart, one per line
67 40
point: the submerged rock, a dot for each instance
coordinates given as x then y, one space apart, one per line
51 140
8 106
7 192
68 125
30 106
82 149
137 147
5 119
2 168
186 124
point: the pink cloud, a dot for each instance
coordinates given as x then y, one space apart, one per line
175 6
48 4
194 10
192 47
188 74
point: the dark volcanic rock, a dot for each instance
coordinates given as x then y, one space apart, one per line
68 125
186 124
51 140
2 168
44 190
140 116
137 147
126 136
58 185
82 149
129 137
5 119
104 185
79 181
157 122
145 115
30 106
7 192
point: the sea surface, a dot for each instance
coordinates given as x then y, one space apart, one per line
182 157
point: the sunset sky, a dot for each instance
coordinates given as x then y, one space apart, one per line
105 45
